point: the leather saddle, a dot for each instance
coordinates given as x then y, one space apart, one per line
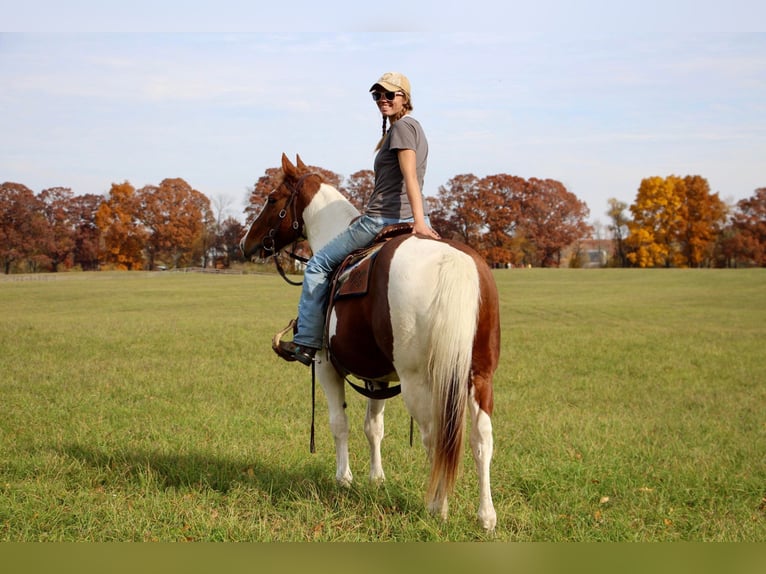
352 278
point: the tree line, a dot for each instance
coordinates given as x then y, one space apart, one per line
673 222
167 225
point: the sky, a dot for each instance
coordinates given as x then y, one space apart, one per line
597 96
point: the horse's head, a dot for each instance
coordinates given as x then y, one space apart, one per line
280 222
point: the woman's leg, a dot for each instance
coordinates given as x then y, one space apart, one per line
313 302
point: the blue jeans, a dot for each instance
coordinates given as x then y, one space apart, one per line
316 277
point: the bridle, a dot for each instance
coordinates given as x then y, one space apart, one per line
268 243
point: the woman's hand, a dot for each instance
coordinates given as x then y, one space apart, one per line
423 229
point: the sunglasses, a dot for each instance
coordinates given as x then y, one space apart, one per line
389 96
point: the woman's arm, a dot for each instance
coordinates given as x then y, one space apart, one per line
408 165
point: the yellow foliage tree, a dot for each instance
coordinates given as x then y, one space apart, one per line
675 222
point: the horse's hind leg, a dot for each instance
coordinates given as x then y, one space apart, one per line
482 447
417 398
335 392
373 428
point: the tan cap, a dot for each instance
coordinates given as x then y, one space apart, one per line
394 82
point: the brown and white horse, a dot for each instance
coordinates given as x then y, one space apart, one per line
430 321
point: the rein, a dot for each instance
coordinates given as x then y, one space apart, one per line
367 391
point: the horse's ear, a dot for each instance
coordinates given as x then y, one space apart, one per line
288 168
301 165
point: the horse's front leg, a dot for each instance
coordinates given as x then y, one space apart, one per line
335 392
373 428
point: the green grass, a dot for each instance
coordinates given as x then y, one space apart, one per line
630 406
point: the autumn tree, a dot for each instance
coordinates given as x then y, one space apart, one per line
508 219
702 217
82 211
748 241
176 219
675 221
58 239
230 233
457 215
122 231
551 218
358 187
656 222
495 203
21 225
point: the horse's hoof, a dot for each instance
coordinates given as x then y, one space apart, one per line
378 480
344 481
489 521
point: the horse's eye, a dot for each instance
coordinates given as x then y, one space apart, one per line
271 200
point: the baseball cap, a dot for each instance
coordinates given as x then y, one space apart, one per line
394 82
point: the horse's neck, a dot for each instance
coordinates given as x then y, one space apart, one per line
328 214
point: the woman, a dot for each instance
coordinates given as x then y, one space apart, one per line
400 167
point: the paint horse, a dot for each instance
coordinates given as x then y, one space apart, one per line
430 321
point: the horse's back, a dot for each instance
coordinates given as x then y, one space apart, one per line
389 328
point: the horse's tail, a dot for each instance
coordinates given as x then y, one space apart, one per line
454 313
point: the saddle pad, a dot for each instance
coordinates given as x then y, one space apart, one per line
353 275
353 278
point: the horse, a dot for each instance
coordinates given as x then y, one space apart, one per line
429 322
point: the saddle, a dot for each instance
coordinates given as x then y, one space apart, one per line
352 278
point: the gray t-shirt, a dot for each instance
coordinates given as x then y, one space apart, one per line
389 198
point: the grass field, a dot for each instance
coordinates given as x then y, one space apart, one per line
630 406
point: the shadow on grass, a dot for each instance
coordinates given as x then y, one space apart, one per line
198 471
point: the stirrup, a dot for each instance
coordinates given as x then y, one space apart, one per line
290 350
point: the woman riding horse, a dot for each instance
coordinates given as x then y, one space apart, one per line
400 167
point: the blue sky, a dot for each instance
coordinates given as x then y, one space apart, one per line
597 98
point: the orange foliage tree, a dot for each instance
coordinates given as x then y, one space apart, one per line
176 219
123 235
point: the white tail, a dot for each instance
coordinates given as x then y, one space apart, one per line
454 313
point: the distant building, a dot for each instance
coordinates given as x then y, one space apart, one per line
590 253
